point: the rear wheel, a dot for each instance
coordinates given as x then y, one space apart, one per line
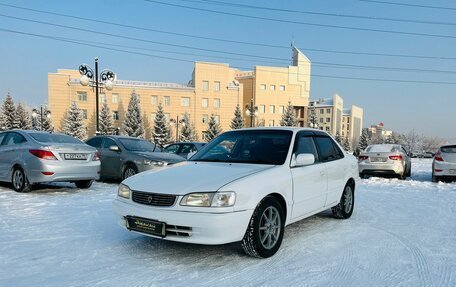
19 180
434 178
347 202
84 183
128 171
265 231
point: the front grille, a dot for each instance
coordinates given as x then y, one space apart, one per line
154 199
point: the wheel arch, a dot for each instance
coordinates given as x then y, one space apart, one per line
351 181
281 201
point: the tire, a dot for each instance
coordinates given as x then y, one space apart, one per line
409 173
19 180
346 205
435 178
83 183
128 171
363 176
262 239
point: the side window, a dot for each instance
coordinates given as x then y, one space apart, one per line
14 139
172 148
326 149
305 144
108 142
187 148
2 137
95 142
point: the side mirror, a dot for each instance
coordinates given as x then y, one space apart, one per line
303 159
114 148
190 154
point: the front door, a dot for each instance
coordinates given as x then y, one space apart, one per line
111 161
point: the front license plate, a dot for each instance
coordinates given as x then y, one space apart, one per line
145 225
75 156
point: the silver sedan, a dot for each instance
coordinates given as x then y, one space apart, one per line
385 159
28 157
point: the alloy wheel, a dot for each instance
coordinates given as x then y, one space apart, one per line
348 199
270 224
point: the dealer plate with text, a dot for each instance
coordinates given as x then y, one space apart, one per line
145 225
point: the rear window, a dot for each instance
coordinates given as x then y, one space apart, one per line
54 138
328 149
448 149
380 148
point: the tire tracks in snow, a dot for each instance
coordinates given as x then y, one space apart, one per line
344 269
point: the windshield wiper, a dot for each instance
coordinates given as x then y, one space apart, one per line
208 160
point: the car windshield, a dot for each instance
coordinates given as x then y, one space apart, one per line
54 138
138 145
248 146
380 148
449 149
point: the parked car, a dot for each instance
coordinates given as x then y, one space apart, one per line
265 179
444 163
29 157
184 148
123 156
385 159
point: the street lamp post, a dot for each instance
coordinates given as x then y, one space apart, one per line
251 111
42 114
177 122
103 80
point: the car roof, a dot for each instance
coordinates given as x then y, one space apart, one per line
118 137
293 129
33 131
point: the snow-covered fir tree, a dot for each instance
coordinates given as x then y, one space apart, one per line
338 138
363 140
105 123
47 121
289 117
346 144
161 134
187 131
133 124
23 119
213 128
73 124
238 121
9 114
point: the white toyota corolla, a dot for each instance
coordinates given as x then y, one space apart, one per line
246 185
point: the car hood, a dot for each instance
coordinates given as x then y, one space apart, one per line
161 156
190 176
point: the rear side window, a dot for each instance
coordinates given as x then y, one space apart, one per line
448 149
328 149
14 138
108 142
172 148
2 136
95 142
187 148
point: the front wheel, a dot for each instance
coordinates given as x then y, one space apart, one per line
347 202
19 180
83 183
265 231
128 171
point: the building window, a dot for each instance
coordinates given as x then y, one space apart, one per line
153 100
217 119
348 127
321 128
272 109
103 98
84 113
205 103
82 96
328 120
282 87
322 111
348 120
115 115
205 119
328 111
205 86
272 87
216 86
115 98
271 123
216 103
167 100
262 109
343 134
263 87
343 127
281 109
327 129
185 102
321 120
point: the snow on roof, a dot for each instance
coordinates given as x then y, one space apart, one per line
322 102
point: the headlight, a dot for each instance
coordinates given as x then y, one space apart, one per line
208 199
123 191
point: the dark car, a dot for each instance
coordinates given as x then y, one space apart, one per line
123 156
184 148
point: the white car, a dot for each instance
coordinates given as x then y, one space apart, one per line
245 185
444 164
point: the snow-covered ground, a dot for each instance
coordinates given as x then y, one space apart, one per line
402 233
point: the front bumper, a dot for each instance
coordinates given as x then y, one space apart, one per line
369 168
188 226
63 171
446 169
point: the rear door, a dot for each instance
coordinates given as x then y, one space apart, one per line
3 163
332 157
13 146
309 182
111 161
